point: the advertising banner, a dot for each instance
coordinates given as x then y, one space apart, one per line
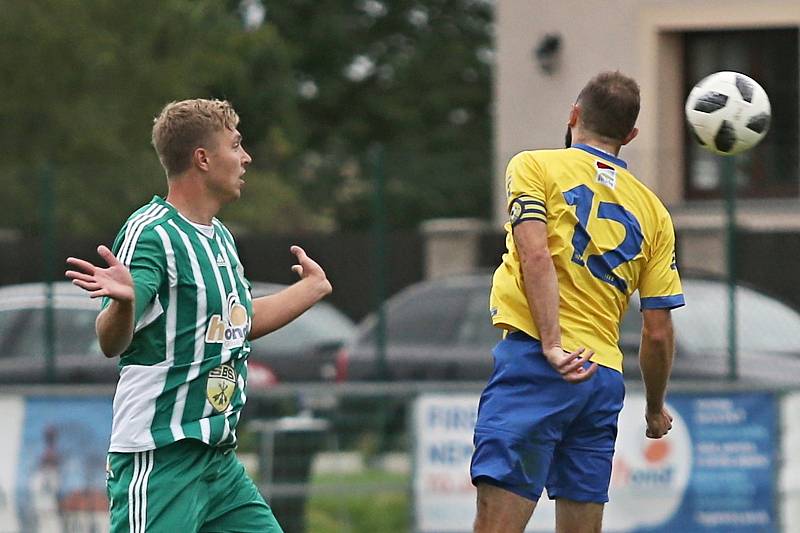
52 464
714 472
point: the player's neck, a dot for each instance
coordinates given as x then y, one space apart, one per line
596 142
191 201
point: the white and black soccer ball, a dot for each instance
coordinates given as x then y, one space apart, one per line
728 112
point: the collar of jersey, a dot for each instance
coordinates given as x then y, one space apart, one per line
599 153
174 211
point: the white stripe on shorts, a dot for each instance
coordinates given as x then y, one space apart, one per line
137 491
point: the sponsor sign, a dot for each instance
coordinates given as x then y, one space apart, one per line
13 409
444 498
715 472
52 464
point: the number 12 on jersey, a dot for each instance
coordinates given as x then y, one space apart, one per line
602 265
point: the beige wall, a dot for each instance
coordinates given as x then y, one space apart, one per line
638 37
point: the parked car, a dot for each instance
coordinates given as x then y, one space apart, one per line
440 330
304 350
768 335
23 339
435 330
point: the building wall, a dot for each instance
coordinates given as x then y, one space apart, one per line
642 38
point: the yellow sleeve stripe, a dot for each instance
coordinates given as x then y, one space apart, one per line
528 201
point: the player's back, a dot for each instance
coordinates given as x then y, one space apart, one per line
608 235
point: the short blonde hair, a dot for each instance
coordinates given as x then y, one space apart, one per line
183 126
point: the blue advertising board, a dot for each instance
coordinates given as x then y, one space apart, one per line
61 464
715 472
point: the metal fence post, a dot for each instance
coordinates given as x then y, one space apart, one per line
729 177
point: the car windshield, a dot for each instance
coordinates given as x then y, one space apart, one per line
22 332
439 315
321 325
763 323
477 329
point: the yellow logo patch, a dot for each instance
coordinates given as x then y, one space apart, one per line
516 212
221 386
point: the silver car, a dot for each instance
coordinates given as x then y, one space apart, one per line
440 330
304 350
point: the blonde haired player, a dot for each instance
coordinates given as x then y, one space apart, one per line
583 235
178 312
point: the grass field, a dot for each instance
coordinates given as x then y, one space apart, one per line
372 501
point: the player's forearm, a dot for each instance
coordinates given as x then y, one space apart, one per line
655 360
115 325
276 310
541 289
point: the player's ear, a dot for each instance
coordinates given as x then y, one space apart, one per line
631 136
200 158
574 114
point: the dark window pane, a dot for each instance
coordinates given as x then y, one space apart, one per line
22 332
430 316
321 325
769 57
477 330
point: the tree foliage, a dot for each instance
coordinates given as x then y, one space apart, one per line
413 75
316 84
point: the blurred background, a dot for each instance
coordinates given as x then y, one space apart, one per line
380 131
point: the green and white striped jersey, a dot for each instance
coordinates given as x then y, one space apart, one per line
184 374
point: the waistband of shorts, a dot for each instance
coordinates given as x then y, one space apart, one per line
517 335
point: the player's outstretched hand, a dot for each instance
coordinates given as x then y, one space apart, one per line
658 423
571 364
114 281
309 269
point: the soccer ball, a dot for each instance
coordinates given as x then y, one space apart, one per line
728 112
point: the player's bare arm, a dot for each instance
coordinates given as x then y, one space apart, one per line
655 360
276 310
541 289
114 324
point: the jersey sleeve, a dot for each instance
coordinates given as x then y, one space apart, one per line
525 189
146 262
660 284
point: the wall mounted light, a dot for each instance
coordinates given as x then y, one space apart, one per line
547 53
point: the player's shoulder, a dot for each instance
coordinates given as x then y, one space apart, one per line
150 215
536 160
541 155
647 196
140 227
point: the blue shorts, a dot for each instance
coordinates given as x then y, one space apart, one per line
535 430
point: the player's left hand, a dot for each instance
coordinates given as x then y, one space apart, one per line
659 422
571 364
308 269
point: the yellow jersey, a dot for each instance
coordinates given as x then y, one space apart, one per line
608 235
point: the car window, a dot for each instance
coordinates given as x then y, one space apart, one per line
22 332
321 325
430 315
476 329
764 324
630 330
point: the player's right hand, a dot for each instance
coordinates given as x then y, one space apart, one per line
571 364
115 281
658 423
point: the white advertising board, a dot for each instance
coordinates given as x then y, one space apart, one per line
13 409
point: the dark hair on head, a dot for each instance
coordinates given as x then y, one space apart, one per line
609 105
